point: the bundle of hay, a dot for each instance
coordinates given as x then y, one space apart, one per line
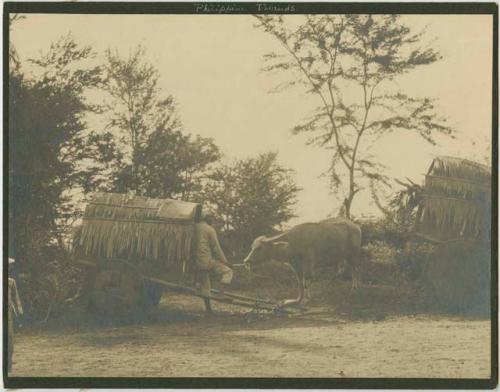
138 229
456 201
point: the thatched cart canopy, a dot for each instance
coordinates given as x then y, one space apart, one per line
456 201
138 229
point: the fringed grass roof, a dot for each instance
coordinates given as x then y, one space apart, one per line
456 201
139 229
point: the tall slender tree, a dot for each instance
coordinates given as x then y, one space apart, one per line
137 107
350 63
152 154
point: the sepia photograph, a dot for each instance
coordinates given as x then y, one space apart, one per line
250 191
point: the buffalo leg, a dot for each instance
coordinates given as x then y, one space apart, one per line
299 276
307 275
307 288
356 281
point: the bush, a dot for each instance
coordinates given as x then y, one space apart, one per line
391 257
385 230
412 258
47 287
380 252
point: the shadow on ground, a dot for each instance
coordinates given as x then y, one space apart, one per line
384 294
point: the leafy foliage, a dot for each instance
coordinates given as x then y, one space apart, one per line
175 165
151 155
46 126
349 62
47 120
251 197
49 295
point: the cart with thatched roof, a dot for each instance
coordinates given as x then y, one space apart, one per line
455 214
123 238
135 248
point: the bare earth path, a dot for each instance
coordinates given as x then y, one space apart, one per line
187 345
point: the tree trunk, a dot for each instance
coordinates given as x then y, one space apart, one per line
349 199
135 179
347 206
352 190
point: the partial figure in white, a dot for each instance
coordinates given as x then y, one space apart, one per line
15 310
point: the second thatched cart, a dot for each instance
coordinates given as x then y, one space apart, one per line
455 215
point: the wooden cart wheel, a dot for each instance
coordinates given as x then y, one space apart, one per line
116 290
458 275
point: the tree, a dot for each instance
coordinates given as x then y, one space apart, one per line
349 62
136 108
251 197
46 140
14 62
144 140
174 165
46 125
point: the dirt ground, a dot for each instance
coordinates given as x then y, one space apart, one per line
178 341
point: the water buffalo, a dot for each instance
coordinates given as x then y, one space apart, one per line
330 241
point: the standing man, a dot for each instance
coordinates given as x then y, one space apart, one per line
15 308
209 257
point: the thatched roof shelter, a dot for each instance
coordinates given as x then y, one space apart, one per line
456 200
138 229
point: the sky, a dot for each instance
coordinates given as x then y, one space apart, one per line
212 65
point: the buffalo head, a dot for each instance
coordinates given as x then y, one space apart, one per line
264 249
